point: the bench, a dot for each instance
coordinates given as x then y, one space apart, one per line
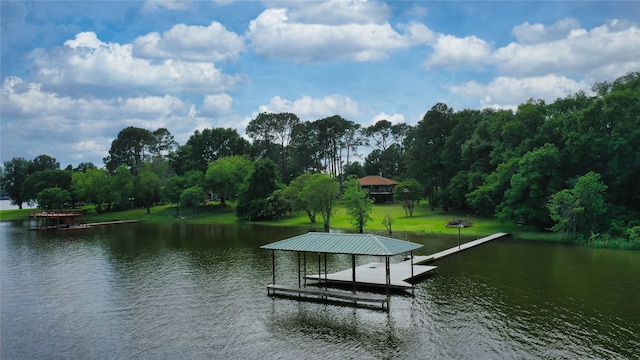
329 294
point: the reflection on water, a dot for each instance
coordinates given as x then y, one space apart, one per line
198 291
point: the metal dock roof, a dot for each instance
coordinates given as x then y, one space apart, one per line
337 243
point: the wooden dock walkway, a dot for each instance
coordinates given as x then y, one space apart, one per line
325 294
373 274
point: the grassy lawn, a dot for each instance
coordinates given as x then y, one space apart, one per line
424 220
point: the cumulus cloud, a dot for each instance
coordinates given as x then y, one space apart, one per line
453 52
338 12
527 33
308 108
508 92
84 127
89 62
394 119
276 34
192 43
217 104
156 5
577 52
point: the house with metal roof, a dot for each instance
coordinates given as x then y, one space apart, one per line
380 188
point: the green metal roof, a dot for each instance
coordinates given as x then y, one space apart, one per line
336 243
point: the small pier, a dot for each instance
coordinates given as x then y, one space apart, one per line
60 220
373 274
376 274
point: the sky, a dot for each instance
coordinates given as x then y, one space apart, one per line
75 73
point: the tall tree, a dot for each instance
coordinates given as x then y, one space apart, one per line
426 153
206 146
14 174
44 163
226 175
147 186
320 192
40 180
192 196
172 190
53 198
252 202
132 148
293 193
358 204
270 131
536 179
408 193
578 210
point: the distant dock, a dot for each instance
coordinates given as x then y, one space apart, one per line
373 274
67 220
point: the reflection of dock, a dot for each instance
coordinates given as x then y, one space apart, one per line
373 274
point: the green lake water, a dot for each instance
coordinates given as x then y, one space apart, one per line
186 291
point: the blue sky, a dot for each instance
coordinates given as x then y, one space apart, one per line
75 73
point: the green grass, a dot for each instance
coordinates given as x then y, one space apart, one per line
424 220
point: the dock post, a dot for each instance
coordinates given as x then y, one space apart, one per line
413 286
299 281
305 268
273 265
353 271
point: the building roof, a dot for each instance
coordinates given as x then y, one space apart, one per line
376 180
337 243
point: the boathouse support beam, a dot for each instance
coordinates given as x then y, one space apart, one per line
353 269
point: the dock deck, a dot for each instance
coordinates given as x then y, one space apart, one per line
373 274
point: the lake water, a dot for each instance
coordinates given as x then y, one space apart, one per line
181 291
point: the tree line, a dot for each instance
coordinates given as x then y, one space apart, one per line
572 165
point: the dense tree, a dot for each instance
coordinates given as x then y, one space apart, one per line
426 147
355 168
408 193
536 179
53 198
14 174
358 204
147 186
226 175
252 202
305 149
172 190
578 210
44 163
293 193
40 180
206 146
192 196
272 135
84 166
132 148
319 193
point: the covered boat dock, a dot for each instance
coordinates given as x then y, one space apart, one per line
346 244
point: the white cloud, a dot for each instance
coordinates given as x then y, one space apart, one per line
156 5
275 34
394 119
579 52
338 12
508 92
217 104
527 33
87 61
308 108
192 43
83 128
453 52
